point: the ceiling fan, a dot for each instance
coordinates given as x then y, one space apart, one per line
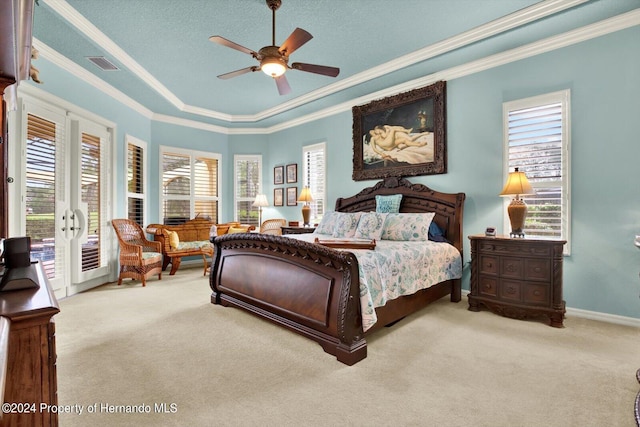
274 60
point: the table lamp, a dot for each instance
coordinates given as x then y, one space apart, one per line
261 202
517 185
306 197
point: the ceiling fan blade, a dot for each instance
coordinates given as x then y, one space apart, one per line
238 72
283 85
296 39
318 69
232 45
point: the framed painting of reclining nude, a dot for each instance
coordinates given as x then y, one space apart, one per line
401 135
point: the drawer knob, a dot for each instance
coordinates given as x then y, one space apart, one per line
511 290
489 265
537 269
537 293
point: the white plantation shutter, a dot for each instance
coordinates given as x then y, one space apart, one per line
91 177
248 182
205 178
314 177
136 183
45 144
190 186
537 142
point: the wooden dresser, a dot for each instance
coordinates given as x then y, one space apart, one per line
517 277
30 379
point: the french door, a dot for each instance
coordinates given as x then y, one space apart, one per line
64 193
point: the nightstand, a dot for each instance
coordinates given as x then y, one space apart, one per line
519 278
297 230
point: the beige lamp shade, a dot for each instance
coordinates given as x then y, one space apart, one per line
517 185
306 197
261 201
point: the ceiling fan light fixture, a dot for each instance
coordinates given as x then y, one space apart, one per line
273 67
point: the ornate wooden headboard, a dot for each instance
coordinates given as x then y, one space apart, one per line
448 207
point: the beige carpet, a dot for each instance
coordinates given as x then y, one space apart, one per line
445 366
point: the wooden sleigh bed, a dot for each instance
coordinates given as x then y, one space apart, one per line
315 290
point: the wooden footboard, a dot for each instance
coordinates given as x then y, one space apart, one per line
310 289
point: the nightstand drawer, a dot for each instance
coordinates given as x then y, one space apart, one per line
511 267
488 286
537 269
488 264
537 294
511 290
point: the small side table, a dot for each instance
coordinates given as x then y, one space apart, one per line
519 278
297 230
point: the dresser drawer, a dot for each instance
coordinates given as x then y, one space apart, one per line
489 264
512 267
537 269
537 294
488 286
510 290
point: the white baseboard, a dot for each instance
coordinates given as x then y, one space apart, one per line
604 317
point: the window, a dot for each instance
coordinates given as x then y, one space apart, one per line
314 177
190 185
537 141
248 183
136 180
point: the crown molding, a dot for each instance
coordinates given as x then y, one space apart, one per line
505 23
88 77
598 29
88 29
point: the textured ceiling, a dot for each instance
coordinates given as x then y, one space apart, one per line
168 65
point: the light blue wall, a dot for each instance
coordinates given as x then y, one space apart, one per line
603 75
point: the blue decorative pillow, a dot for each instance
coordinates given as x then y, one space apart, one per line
346 224
436 234
389 204
407 226
327 224
371 225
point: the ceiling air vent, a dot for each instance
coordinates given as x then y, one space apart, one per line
103 63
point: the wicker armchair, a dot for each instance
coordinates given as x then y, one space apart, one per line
273 226
139 257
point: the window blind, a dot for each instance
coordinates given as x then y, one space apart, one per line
90 180
247 171
190 187
135 183
44 139
537 146
314 177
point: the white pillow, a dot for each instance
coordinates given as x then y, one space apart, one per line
371 225
346 224
328 223
407 226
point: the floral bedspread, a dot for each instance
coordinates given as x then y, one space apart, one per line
397 268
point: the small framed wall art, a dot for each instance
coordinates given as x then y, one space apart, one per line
292 196
278 175
278 197
292 173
